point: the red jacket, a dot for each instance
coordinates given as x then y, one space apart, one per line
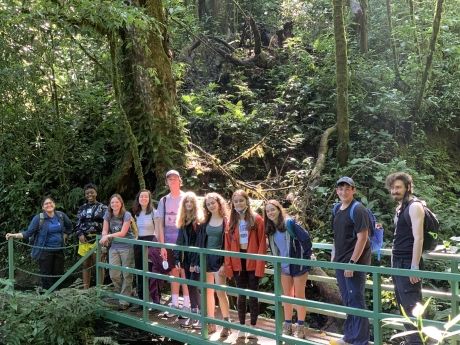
257 244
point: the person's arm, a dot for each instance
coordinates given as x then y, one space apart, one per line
417 217
105 232
262 249
361 241
228 260
159 226
179 242
124 229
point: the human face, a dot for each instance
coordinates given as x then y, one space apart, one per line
90 195
345 192
239 203
212 205
48 206
173 182
115 204
398 190
272 213
144 199
189 204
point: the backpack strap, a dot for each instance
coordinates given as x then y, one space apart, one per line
290 227
335 208
352 210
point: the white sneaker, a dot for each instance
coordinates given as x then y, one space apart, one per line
338 342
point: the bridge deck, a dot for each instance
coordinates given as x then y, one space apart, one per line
167 326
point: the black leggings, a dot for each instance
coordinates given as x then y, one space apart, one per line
193 290
247 280
51 263
138 263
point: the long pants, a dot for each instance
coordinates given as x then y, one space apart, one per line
247 280
407 295
51 263
356 328
138 264
193 290
122 281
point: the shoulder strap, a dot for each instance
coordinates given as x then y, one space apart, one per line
164 212
41 221
335 208
405 214
352 210
290 227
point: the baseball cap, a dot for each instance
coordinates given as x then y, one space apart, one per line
172 172
347 180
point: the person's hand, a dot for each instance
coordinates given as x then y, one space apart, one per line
414 280
178 265
82 238
192 269
164 253
348 274
65 237
104 240
221 271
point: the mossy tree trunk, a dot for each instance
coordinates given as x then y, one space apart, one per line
429 58
149 91
343 128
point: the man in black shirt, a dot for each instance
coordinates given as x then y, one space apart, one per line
351 245
407 244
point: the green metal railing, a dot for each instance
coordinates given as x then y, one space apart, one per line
375 315
276 298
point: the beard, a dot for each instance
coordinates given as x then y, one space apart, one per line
398 197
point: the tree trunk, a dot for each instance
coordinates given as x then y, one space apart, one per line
342 83
414 28
151 104
429 59
392 41
363 32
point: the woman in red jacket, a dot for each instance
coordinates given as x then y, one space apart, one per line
245 234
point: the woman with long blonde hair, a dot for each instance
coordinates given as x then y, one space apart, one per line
189 220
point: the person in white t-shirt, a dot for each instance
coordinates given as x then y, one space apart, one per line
165 222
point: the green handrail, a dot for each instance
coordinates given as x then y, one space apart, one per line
375 315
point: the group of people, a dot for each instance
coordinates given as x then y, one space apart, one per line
215 224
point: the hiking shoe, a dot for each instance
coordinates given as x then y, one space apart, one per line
196 324
287 328
225 332
122 307
180 317
188 323
298 331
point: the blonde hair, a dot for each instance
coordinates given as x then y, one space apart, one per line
184 217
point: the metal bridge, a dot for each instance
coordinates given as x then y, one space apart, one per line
267 331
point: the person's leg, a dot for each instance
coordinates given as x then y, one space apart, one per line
138 265
103 258
253 284
127 260
341 282
210 294
358 328
288 290
222 295
407 295
45 264
185 292
86 273
115 275
241 279
299 292
58 265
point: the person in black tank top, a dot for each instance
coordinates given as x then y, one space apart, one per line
407 245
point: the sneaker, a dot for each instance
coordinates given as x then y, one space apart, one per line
170 315
180 317
188 323
225 332
212 328
196 324
298 331
287 328
251 336
338 342
122 307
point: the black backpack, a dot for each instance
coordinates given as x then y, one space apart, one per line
430 226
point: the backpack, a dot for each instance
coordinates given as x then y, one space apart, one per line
376 232
290 223
430 225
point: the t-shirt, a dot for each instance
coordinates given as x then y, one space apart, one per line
169 216
345 234
145 224
115 225
214 236
244 232
90 218
281 242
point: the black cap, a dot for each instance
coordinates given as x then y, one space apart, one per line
347 180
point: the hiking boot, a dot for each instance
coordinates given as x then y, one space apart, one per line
212 328
287 328
226 331
298 331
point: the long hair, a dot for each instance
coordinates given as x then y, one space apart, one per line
223 209
270 226
184 217
122 209
406 179
137 208
249 215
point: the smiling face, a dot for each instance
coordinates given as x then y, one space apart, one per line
345 192
90 195
272 213
240 203
398 190
115 205
189 204
173 182
144 199
48 205
212 205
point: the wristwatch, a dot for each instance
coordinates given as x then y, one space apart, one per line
351 261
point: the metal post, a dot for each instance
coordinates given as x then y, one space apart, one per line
145 290
204 299
454 288
377 307
11 259
278 305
